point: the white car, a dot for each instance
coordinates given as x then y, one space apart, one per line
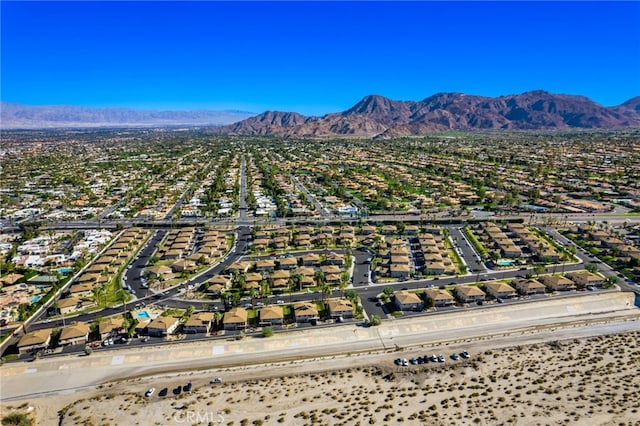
216 381
149 392
280 302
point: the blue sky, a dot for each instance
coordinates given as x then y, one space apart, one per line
312 58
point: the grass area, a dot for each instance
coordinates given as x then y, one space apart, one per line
477 245
453 254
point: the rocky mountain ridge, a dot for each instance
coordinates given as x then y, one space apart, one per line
377 116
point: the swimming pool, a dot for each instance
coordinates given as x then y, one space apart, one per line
34 299
65 270
504 263
144 314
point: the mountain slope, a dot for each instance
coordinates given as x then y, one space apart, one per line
377 116
28 116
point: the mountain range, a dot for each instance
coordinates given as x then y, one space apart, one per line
380 117
18 116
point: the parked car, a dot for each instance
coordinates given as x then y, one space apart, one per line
464 354
280 302
440 358
455 356
187 387
216 381
149 392
163 392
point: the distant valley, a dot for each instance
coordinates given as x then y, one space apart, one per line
18 116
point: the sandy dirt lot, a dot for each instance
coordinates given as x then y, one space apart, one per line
590 381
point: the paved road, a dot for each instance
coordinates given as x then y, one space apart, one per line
242 202
324 212
472 259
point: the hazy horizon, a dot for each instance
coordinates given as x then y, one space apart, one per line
312 58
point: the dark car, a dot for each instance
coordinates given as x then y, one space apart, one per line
187 387
163 392
177 390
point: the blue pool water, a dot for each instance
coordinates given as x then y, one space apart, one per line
65 270
143 314
504 262
34 299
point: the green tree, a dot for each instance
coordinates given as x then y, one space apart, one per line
267 331
351 295
375 320
591 267
388 291
538 269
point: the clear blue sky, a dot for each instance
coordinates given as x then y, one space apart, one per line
312 58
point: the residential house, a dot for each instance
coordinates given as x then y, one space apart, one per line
74 334
557 283
163 326
400 271
305 312
406 301
235 319
69 305
183 265
340 308
311 259
288 263
439 297
10 279
585 278
271 315
469 294
110 327
334 259
330 269
81 290
265 265
280 278
34 341
527 287
198 322
500 290
239 267
219 283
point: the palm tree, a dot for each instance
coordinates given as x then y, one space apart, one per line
253 293
264 287
319 278
298 278
97 292
344 282
326 290
226 295
122 297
